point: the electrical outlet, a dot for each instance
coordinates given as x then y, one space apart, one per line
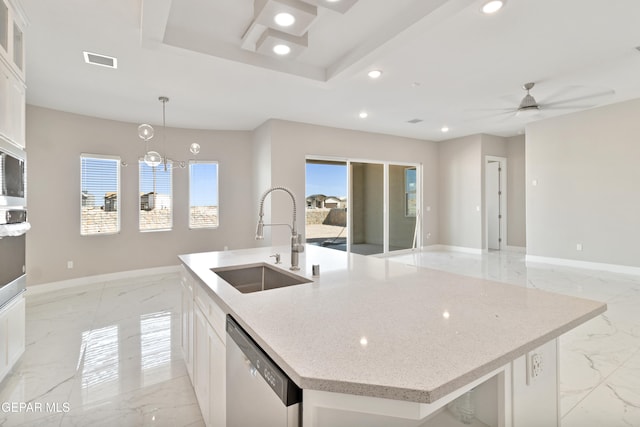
69 265
534 366
578 246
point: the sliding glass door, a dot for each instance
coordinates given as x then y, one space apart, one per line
367 208
364 207
402 207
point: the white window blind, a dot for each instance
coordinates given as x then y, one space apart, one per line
99 194
203 195
156 197
410 186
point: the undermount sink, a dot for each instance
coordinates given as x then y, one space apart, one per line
258 277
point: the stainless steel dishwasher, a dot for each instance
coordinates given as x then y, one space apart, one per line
259 393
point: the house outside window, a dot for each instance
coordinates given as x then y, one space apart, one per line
156 197
99 194
203 194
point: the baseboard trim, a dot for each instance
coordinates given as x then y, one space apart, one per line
450 248
520 249
588 265
100 278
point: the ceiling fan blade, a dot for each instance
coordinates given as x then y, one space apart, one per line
491 109
565 107
503 115
581 98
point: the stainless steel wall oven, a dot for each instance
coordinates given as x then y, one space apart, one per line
12 175
13 221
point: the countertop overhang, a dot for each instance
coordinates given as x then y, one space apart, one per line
375 327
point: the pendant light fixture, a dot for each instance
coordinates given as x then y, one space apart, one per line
146 132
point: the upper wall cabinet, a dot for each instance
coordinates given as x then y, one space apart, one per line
12 83
12 24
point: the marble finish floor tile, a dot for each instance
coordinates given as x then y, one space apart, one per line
599 360
103 354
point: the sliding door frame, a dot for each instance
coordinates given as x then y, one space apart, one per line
386 196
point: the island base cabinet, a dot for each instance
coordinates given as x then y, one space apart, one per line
186 321
324 409
204 350
523 393
535 387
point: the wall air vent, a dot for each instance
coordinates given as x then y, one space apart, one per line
101 60
414 121
638 48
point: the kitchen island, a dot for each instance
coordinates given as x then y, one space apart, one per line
375 342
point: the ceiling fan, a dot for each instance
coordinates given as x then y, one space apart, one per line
529 106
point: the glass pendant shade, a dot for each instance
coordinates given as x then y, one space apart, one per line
145 131
195 148
152 158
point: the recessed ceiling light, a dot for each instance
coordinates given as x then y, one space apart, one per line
444 129
363 114
492 6
284 19
281 49
374 74
333 1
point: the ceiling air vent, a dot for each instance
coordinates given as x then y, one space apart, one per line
414 121
101 60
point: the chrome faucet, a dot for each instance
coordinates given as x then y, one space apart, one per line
296 242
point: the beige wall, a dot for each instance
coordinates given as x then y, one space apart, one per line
55 141
587 173
460 188
260 176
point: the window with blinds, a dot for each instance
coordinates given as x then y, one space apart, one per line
203 194
99 194
156 197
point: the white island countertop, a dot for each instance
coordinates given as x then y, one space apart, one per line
374 327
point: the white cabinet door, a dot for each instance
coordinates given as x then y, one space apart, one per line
217 380
5 84
12 107
17 102
201 362
4 344
186 320
12 333
204 350
16 330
